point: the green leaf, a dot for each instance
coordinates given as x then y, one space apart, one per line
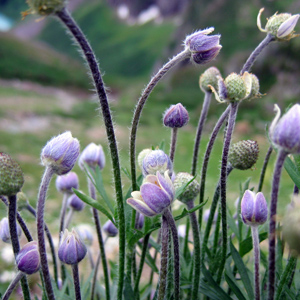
232 225
94 203
247 244
231 283
292 170
128 291
242 271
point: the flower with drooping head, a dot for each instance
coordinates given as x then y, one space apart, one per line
92 155
236 87
280 26
61 153
28 259
209 78
156 194
11 176
85 232
76 203
157 160
285 133
4 230
71 249
44 7
243 155
254 208
176 116
65 183
191 190
110 229
203 47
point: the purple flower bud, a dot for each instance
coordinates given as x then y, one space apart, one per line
110 229
157 193
71 249
28 259
76 203
86 233
65 183
61 153
140 222
285 133
203 48
157 160
93 156
254 208
176 116
4 230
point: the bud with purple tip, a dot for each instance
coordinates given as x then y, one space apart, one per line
110 229
157 194
4 230
285 133
93 156
61 153
254 209
71 249
28 259
65 183
203 48
76 203
176 116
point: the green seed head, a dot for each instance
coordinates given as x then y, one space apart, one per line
236 87
45 7
209 77
275 21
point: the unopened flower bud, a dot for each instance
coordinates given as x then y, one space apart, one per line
45 7
110 229
280 26
243 155
76 203
28 259
71 249
191 191
65 183
285 133
11 176
157 160
204 48
61 153
142 155
4 230
176 116
86 233
209 77
93 156
254 209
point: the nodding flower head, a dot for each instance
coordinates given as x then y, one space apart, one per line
44 7
4 231
203 47
93 156
157 160
110 229
156 194
209 78
281 26
285 132
65 183
176 116
28 259
11 176
61 153
71 249
76 203
236 87
254 209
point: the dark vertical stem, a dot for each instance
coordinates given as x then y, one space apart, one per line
223 183
76 281
272 225
208 150
250 61
255 239
63 213
167 214
217 233
66 18
173 143
203 115
40 231
164 259
95 276
264 168
12 285
196 251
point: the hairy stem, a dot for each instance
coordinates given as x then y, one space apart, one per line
95 276
264 168
63 214
173 143
255 239
12 285
76 281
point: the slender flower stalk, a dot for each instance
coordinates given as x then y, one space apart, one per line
173 143
68 21
255 239
264 168
12 285
76 281
95 276
63 213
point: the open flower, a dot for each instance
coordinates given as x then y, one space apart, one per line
157 193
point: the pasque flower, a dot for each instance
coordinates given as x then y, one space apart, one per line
203 47
92 155
285 132
157 193
110 229
28 259
176 116
65 183
76 203
4 231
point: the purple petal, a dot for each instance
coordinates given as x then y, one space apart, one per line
141 207
206 56
287 26
202 43
247 206
166 184
260 209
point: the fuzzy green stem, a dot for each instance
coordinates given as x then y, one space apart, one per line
66 18
95 276
173 143
264 168
12 285
76 281
203 115
255 239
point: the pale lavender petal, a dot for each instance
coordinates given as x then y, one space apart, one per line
260 209
287 26
166 184
247 206
141 207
